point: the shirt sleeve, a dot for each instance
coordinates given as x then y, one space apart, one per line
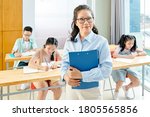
16 46
34 45
105 66
117 50
36 56
65 61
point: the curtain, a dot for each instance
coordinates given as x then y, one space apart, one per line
118 13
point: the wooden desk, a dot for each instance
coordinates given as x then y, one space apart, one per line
14 77
112 47
23 58
138 61
9 59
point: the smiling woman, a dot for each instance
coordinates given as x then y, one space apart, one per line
84 37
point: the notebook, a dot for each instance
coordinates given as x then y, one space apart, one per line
84 61
28 53
28 70
11 55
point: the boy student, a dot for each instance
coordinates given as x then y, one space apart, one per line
22 45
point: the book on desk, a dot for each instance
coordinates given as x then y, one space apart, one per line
84 61
28 53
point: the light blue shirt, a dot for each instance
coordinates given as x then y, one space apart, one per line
91 42
20 45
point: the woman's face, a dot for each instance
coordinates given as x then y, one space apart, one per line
49 49
84 21
129 44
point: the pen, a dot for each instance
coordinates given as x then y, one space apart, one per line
46 61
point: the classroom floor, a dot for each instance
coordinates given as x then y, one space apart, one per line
105 95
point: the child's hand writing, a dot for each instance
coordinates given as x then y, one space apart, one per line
131 56
54 65
17 54
44 68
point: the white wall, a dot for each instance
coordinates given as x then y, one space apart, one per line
29 14
103 17
54 20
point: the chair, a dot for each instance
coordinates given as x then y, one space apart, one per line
32 87
112 49
110 84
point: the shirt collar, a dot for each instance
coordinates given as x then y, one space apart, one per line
87 38
30 40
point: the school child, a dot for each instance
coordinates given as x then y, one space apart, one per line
127 48
24 44
47 55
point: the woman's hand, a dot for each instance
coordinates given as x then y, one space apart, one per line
73 77
71 82
74 73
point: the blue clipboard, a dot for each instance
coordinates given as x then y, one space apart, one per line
84 61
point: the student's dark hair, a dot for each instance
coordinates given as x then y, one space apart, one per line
124 38
51 41
28 28
75 29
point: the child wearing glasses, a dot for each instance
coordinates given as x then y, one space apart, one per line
22 45
41 60
127 48
84 37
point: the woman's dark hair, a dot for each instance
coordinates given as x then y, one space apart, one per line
75 29
28 28
51 41
124 38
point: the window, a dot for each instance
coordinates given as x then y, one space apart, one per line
139 25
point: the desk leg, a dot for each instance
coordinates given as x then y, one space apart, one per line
111 88
143 76
7 67
8 91
1 98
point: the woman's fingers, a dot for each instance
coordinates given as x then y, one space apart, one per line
74 82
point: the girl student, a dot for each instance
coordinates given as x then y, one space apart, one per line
46 55
127 48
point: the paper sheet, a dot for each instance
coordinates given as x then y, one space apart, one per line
28 70
124 60
28 53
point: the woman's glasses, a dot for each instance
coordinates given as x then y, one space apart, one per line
82 20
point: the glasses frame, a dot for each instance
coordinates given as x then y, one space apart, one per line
88 19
